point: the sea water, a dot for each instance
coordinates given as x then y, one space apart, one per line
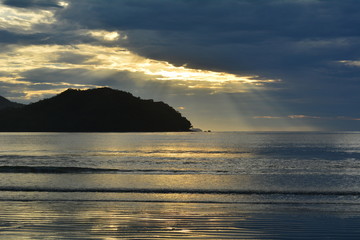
233 185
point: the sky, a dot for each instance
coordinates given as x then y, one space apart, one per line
226 65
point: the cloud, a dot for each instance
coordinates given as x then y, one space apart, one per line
303 116
264 58
306 117
107 36
24 21
18 62
295 41
354 63
267 117
34 3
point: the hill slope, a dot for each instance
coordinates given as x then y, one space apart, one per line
94 110
4 103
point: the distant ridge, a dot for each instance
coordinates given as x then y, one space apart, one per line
93 110
4 103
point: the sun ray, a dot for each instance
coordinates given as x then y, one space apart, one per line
22 59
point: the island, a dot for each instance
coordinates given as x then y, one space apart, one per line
93 110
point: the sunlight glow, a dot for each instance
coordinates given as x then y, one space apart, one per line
29 70
350 63
19 60
107 36
40 93
23 20
63 4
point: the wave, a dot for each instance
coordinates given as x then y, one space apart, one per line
60 170
308 203
182 191
51 169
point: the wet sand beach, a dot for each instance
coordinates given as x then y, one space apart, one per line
164 220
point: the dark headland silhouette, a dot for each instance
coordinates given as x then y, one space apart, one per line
93 110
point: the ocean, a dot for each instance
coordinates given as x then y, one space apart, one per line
206 185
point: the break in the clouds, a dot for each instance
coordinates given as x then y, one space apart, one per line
228 65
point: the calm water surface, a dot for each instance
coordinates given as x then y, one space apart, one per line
232 185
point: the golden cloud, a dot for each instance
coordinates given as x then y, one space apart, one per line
20 59
23 20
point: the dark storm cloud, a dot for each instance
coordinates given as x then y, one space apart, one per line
52 37
233 35
32 3
298 41
7 37
122 80
11 90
